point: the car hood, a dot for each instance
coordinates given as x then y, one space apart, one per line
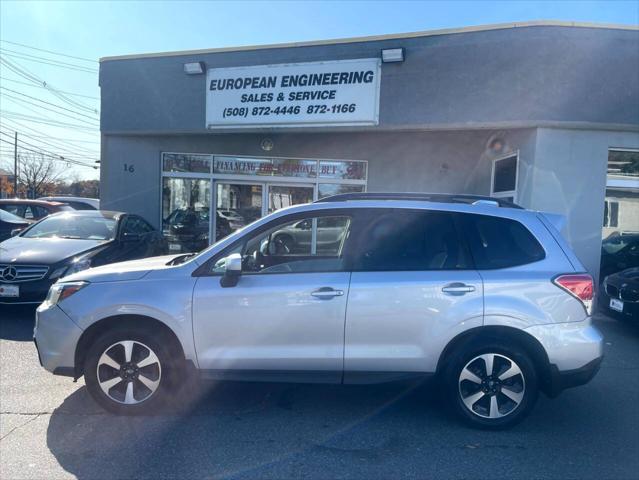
45 251
122 271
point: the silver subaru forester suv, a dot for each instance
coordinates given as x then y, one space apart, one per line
481 293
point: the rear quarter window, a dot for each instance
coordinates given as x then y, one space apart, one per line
501 242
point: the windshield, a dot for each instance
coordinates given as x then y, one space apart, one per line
73 226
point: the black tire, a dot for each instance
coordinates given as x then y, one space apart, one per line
510 411
167 371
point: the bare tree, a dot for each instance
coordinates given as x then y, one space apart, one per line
37 173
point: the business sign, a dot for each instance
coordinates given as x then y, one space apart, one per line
343 92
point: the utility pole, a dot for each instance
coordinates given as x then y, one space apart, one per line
15 166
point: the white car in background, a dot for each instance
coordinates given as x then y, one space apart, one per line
77 203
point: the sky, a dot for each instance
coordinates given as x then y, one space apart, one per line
90 30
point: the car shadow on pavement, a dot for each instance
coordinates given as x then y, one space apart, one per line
16 322
233 429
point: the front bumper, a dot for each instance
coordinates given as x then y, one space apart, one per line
630 309
30 292
56 337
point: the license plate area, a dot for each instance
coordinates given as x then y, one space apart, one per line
11 291
616 305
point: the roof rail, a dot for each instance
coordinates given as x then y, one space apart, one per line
426 197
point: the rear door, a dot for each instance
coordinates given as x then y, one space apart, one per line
413 288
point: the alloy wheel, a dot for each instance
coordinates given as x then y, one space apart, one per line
491 385
129 372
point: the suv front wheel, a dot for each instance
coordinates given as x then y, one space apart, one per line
128 371
493 386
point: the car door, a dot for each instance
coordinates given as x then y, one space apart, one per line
413 288
284 317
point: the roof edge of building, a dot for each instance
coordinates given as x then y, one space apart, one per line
373 38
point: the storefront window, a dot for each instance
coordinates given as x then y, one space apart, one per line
237 205
173 162
328 189
245 189
345 170
185 213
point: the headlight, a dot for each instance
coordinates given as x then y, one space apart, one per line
60 291
75 266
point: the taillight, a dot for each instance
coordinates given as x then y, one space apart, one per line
580 286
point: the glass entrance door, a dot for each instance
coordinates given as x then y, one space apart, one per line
281 196
237 204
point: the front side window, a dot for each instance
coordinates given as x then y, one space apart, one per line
497 242
405 240
314 244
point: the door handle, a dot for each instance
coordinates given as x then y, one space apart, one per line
326 293
458 288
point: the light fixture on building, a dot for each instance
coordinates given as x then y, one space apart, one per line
391 55
194 68
267 144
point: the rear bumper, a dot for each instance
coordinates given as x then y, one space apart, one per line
574 351
560 381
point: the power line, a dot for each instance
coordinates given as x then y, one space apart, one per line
69 149
20 102
25 73
45 121
49 51
5 79
48 103
53 156
48 61
47 151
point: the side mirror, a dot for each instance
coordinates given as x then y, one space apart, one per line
232 270
15 231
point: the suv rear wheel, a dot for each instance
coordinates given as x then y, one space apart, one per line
493 386
129 371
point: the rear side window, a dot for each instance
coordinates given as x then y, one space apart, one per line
410 240
501 242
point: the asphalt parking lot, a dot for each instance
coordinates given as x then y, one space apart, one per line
50 428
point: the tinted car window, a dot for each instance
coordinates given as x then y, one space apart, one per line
501 242
405 240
